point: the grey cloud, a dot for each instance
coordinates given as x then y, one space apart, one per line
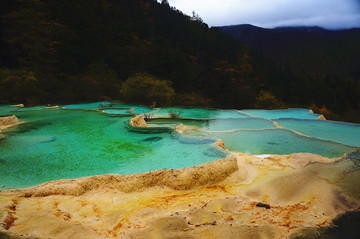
330 14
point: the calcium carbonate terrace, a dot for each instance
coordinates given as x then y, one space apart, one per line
85 139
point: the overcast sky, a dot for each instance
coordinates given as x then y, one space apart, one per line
331 14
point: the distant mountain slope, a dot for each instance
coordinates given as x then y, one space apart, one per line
309 49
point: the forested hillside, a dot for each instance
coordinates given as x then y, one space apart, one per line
84 50
64 50
318 66
310 49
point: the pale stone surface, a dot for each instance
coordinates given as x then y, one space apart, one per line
179 179
53 107
220 143
138 121
180 127
321 117
214 200
19 105
8 120
186 128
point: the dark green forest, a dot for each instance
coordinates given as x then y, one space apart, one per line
64 51
318 67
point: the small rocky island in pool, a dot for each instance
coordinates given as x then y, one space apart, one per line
80 171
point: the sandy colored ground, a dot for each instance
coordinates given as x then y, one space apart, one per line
219 199
214 200
6 122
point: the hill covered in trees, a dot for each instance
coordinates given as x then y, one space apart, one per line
70 51
82 50
309 49
317 65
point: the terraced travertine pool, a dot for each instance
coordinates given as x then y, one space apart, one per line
81 140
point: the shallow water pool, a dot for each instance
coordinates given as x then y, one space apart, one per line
81 140
222 124
199 113
278 141
345 133
54 144
286 113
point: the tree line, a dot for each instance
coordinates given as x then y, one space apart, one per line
83 50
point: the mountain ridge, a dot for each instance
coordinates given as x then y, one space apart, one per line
340 48
294 28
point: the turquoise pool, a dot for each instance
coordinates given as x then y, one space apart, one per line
277 114
278 141
80 140
199 113
345 133
223 124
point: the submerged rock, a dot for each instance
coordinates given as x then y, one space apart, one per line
215 152
152 139
48 140
195 140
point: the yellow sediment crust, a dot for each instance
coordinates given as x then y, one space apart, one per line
178 179
220 199
138 121
8 121
220 143
19 105
53 107
215 200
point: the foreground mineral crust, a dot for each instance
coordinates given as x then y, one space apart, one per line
6 122
243 196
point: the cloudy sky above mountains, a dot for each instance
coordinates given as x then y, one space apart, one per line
331 14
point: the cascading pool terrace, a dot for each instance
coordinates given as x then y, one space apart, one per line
101 171
82 140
